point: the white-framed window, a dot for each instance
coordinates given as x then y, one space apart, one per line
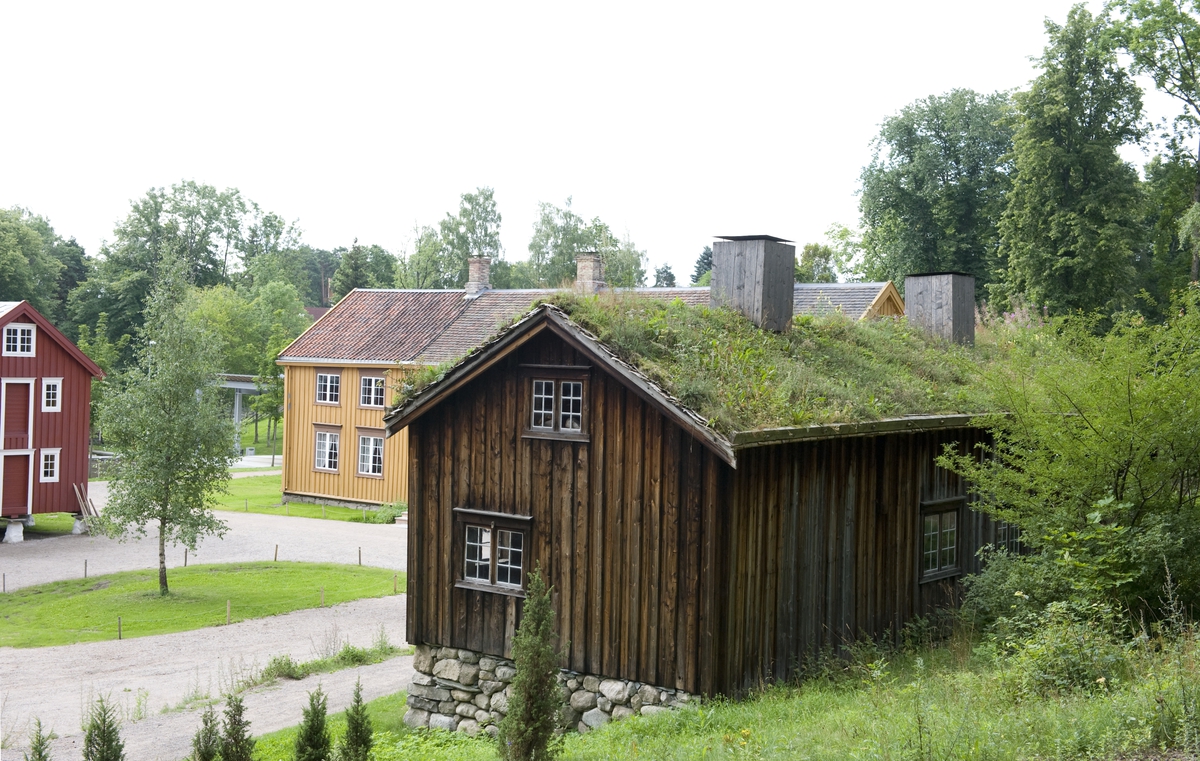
370 455
543 406
51 394
370 391
20 340
329 388
327 450
1008 537
494 553
510 557
49 465
570 416
939 538
478 565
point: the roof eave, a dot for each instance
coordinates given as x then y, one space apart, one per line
910 423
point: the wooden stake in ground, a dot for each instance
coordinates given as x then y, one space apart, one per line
118 627
85 568
185 557
277 553
360 555
394 587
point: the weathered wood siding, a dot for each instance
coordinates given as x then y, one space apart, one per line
621 525
823 545
302 414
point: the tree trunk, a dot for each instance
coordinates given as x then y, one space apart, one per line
162 556
1196 247
255 427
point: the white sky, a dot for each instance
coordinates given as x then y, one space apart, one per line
673 122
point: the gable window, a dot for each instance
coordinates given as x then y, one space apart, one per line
939 537
370 455
556 399
327 450
329 388
370 391
19 340
493 550
50 465
51 394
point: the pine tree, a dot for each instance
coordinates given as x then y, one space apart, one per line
206 744
353 272
356 744
527 730
39 744
703 265
312 741
236 742
102 738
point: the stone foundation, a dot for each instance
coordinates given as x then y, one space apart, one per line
464 691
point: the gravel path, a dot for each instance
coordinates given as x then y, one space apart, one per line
146 674
251 536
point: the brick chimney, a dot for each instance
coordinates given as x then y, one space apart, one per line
479 271
943 303
754 275
589 272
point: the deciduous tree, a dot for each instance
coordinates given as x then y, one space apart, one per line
473 231
664 277
166 421
1072 223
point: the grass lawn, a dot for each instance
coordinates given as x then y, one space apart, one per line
52 524
263 446
85 610
261 494
387 715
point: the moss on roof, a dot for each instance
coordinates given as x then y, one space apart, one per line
827 369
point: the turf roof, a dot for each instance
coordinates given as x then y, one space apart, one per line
827 369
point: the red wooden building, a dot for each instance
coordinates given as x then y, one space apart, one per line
45 397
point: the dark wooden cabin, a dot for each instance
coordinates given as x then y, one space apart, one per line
678 557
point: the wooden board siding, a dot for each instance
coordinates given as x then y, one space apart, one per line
824 546
67 430
616 523
302 413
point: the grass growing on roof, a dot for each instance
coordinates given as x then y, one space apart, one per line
86 610
826 369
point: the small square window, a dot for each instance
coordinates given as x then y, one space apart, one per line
370 391
479 554
19 340
327 450
49 468
51 394
329 388
543 405
370 455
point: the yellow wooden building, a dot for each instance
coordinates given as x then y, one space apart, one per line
340 374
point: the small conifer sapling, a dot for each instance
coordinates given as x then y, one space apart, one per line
206 743
356 743
312 740
236 742
527 730
102 738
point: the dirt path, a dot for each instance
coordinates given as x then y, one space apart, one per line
144 676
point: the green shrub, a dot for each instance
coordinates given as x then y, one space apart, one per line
387 513
1013 585
236 742
350 655
102 738
527 730
312 741
206 743
1069 647
283 667
356 743
39 743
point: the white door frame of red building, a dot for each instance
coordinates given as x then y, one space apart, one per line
29 450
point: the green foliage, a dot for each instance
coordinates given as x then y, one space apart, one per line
1013 585
312 741
703 265
559 235
474 231
1096 459
357 741
206 743
934 190
1071 227
825 369
817 263
102 735
527 730
39 743
363 267
1168 189
166 421
236 742
72 269
426 266
664 277
27 271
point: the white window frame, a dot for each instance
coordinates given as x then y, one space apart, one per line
332 389
18 327
57 383
539 398
505 551
570 408
366 456
484 554
367 394
56 453
947 515
321 450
